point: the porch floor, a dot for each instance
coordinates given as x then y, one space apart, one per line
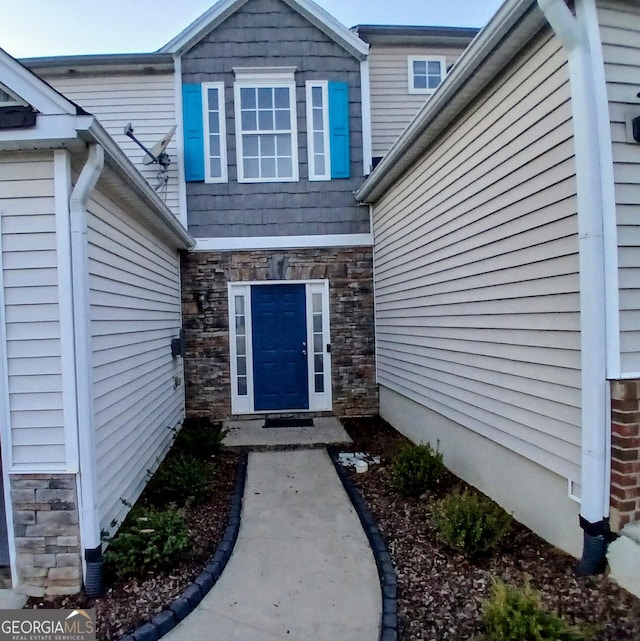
251 433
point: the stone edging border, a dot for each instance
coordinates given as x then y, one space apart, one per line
194 593
386 572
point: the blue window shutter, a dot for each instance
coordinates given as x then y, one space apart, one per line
339 129
193 133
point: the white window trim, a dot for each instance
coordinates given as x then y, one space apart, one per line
324 86
265 77
318 401
240 404
222 126
16 102
410 78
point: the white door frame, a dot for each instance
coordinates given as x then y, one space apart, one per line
240 344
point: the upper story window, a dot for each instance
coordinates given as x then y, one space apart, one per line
214 134
318 143
266 127
425 73
266 135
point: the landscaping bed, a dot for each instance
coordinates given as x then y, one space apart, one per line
129 602
441 592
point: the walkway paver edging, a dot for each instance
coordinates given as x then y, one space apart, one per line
187 602
386 571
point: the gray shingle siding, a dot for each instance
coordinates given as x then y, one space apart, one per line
268 33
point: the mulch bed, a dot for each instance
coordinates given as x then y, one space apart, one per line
128 604
440 592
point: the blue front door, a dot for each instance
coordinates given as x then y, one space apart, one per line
280 375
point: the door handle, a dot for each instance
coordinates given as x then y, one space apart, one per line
304 348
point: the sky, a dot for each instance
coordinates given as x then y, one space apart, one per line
31 28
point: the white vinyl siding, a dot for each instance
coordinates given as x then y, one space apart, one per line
477 288
135 312
392 106
147 101
620 31
30 280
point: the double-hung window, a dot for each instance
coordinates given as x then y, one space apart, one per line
425 73
266 131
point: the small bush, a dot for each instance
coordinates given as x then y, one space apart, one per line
416 469
148 541
200 437
182 479
470 522
516 615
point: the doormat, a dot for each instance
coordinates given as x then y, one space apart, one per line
288 422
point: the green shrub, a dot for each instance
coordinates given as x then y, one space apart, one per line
200 437
513 614
470 522
148 541
182 479
416 469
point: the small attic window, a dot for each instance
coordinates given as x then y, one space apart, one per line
8 99
15 113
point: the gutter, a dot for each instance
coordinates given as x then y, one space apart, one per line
590 146
89 520
116 160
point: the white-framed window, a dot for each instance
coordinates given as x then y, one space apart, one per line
215 135
8 99
266 125
425 73
318 130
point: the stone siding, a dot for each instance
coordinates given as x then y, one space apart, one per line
350 275
625 453
47 535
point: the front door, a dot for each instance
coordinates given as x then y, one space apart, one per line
279 341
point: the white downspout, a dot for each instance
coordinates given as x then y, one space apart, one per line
595 482
89 521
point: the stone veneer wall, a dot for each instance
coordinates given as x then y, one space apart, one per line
625 453
350 275
47 535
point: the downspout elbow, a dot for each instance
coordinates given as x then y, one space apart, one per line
86 181
563 23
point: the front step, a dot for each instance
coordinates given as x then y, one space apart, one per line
624 558
252 434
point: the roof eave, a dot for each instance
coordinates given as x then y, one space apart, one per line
117 160
99 62
486 56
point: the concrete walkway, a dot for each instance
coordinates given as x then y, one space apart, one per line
302 568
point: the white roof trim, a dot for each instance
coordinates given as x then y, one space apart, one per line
34 91
220 11
60 124
489 53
